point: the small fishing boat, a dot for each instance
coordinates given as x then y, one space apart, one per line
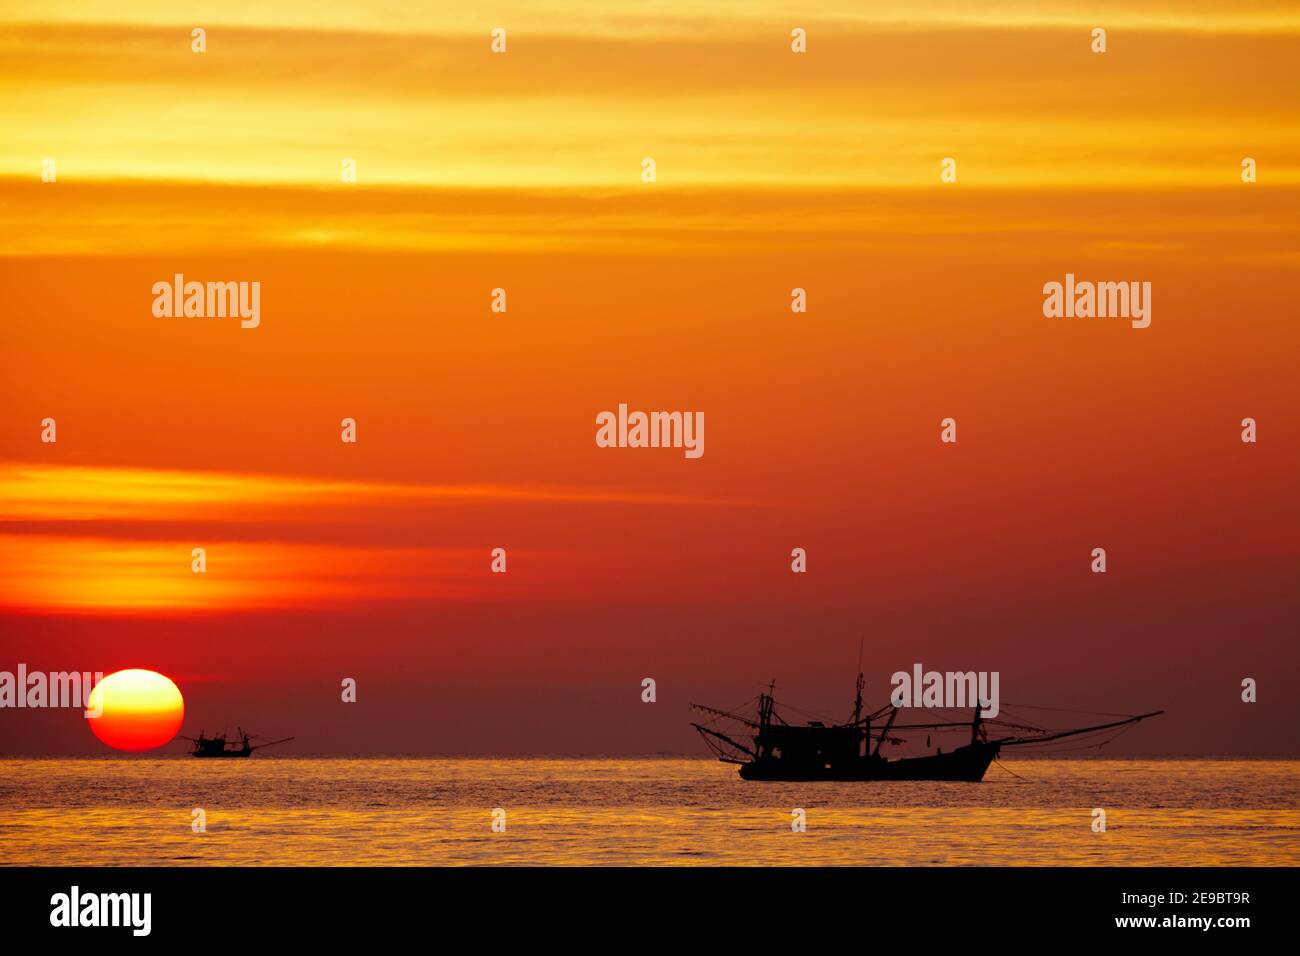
767 747
219 746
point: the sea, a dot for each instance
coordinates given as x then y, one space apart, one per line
644 811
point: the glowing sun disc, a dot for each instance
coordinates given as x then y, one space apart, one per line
138 710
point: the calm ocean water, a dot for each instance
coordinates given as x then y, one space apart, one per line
417 811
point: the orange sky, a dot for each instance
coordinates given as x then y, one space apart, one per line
476 429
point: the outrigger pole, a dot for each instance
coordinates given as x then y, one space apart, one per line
1009 741
723 713
735 743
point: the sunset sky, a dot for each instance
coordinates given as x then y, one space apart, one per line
476 429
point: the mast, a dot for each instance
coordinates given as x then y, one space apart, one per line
864 746
893 715
857 717
766 703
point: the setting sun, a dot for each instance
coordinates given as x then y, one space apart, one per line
138 710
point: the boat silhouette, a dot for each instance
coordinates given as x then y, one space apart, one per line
779 750
220 746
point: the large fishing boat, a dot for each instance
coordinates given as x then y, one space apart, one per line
767 747
219 746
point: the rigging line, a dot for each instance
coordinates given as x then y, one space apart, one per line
823 714
1122 732
1010 771
1005 711
1106 734
1006 723
1109 734
719 715
1066 710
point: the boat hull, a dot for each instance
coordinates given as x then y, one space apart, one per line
228 753
964 765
